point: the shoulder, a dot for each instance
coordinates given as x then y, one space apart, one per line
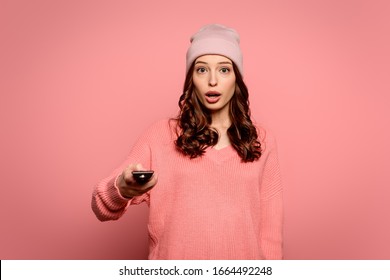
164 129
163 125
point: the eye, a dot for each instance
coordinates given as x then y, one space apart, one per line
225 70
201 70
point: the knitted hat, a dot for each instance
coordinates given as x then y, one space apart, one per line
215 39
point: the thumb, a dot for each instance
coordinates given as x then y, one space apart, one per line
138 167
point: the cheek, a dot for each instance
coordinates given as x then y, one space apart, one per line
197 91
232 86
195 82
198 86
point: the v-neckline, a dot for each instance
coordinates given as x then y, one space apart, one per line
222 154
221 148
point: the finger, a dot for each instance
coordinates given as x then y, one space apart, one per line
127 173
133 167
145 189
154 179
138 167
150 184
128 177
136 189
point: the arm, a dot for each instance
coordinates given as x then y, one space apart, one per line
271 205
107 201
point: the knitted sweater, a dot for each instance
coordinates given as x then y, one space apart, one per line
210 207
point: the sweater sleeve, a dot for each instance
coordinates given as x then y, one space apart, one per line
107 202
271 238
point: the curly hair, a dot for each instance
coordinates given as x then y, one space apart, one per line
194 119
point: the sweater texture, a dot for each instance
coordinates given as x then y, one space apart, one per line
211 207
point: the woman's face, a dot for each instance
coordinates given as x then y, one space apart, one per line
214 82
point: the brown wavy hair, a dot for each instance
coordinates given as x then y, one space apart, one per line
194 119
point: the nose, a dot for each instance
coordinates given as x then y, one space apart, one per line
212 79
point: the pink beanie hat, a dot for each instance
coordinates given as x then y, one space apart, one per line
215 39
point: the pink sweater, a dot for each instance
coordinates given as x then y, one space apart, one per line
211 207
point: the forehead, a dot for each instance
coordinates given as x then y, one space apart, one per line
213 59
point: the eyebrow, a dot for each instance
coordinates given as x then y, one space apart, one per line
222 62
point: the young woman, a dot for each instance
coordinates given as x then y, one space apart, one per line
216 192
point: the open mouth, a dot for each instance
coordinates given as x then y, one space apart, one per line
212 94
212 97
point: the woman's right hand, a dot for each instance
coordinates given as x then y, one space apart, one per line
127 185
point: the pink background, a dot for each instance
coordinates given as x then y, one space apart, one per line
81 80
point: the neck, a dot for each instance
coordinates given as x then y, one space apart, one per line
221 119
222 123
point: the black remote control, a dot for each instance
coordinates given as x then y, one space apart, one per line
142 177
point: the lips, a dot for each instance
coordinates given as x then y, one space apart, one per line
212 96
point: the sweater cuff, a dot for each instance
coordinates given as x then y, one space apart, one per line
116 194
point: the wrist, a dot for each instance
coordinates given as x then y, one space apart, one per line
121 185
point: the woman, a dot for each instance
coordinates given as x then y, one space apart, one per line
216 191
